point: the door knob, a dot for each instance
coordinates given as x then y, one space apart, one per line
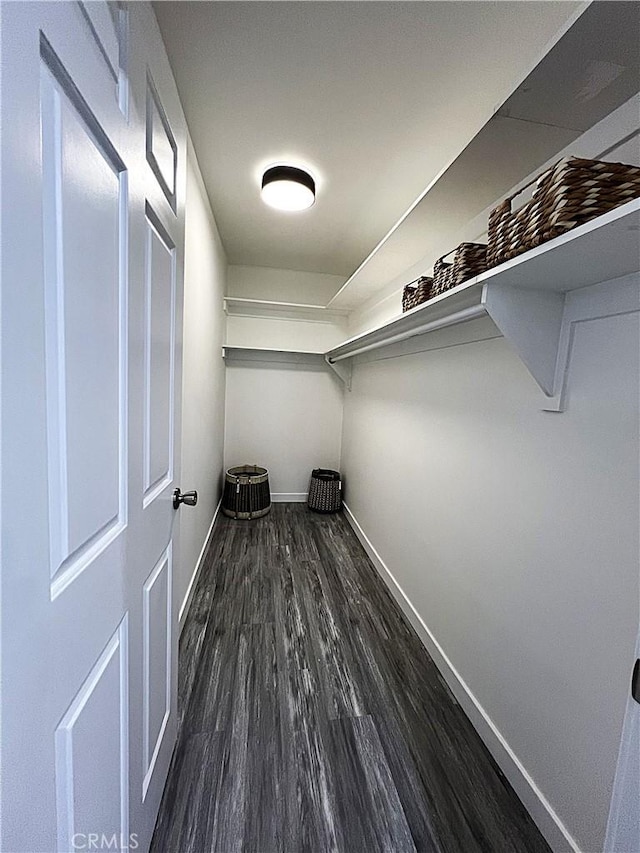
188 498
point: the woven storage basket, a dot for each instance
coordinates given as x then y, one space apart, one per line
416 292
470 259
325 490
246 492
568 194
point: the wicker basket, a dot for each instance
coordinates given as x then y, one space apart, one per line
416 292
470 259
246 492
325 491
568 194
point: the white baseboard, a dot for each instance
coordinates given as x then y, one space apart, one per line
288 497
186 602
540 809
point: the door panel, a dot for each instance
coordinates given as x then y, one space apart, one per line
104 25
162 240
94 730
92 255
161 145
157 662
84 201
159 356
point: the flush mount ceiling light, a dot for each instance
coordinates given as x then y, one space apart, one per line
288 188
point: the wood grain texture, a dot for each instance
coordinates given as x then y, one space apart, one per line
312 719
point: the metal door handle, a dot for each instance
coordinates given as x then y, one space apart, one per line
188 498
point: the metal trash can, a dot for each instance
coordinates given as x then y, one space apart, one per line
325 491
246 492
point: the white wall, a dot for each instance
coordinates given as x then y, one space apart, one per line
285 417
285 333
514 534
203 381
308 288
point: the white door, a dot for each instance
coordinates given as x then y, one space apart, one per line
623 830
93 148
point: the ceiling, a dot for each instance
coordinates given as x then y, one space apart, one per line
374 98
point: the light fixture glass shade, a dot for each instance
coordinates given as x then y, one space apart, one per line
288 188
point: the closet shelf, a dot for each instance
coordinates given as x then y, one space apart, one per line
233 353
283 356
446 309
236 306
525 296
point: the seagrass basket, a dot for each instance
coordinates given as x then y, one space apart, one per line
568 194
246 492
325 491
469 259
416 292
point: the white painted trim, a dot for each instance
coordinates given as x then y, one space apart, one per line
607 299
622 826
239 306
541 810
288 497
149 761
186 601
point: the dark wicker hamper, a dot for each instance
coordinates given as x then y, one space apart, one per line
325 490
246 492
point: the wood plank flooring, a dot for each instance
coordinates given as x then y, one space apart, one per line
312 719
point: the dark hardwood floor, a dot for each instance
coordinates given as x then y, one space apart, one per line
312 719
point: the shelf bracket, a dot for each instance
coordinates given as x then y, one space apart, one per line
531 320
342 371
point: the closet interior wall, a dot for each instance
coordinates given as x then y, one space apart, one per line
513 545
284 415
203 381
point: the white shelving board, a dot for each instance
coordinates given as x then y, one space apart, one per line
266 324
236 306
525 296
302 358
442 307
608 247
233 353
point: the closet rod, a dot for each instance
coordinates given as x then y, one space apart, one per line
459 317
